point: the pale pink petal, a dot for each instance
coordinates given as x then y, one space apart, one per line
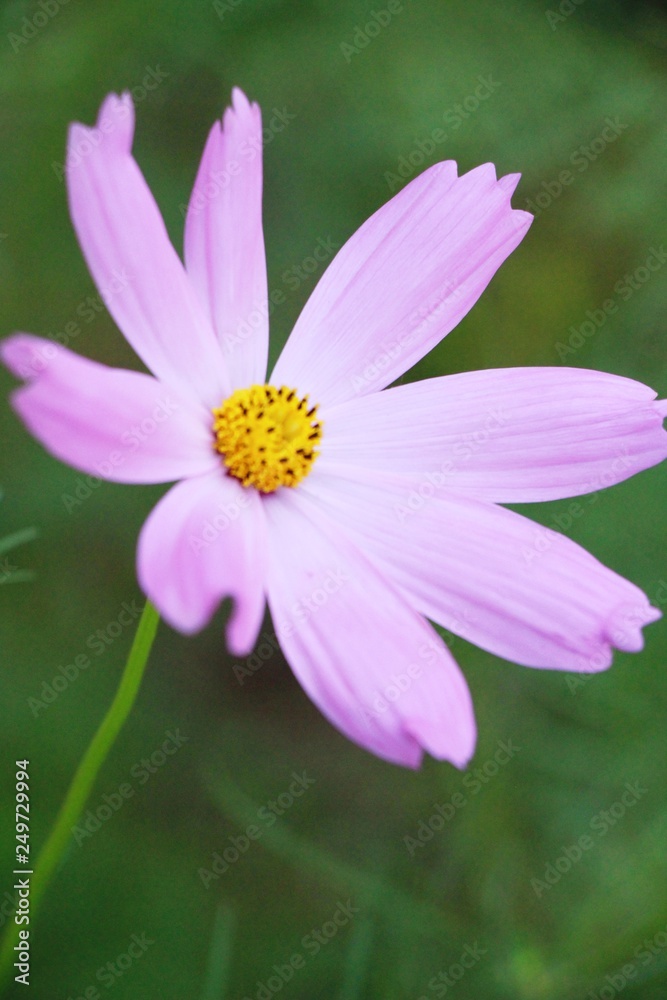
403 281
135 267
204 541
115 424
224 241
373 666
510 435
511 586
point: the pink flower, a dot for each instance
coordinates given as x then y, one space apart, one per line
358 514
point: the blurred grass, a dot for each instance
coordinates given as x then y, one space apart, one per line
324 174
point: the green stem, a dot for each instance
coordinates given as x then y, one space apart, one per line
84 778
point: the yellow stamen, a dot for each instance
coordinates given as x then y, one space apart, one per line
267 437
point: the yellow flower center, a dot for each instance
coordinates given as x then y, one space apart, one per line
267 437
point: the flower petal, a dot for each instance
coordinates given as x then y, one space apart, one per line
108 422
135 267
403 281
501 581
224 241
206 540
375 669
511 435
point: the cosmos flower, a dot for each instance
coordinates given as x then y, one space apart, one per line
359 514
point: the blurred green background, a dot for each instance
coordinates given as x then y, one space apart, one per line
551 77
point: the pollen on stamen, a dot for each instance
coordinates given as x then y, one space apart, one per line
267 437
